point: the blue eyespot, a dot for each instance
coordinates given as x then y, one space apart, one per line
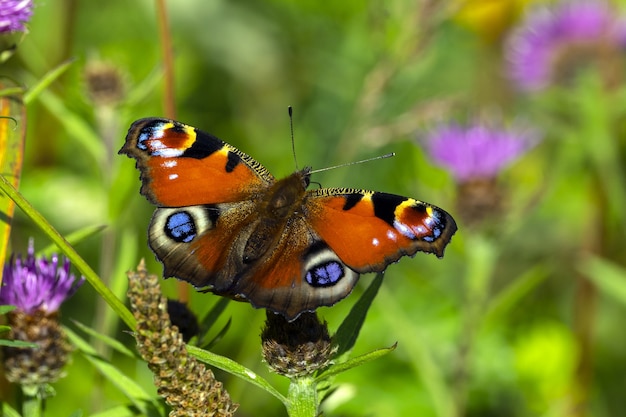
181 227
325 275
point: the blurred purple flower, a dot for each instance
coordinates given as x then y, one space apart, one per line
477 152
535 48
37 283
13 15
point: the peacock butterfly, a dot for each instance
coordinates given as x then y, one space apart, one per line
226 225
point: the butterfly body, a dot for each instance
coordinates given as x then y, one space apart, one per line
226 225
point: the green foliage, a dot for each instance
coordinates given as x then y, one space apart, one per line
523 316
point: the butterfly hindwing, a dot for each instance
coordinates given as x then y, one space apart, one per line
301 274
205 246
183 166
369 230
202 244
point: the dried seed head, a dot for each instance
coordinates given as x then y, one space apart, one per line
187 385
104 83
296 348
36 366
480 201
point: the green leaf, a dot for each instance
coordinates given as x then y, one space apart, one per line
354 362
213 314
11 91
209 320
45 391
236 369
506 299
8 411
128 411
77 413
18 344
348 331
142 90
608 276
6 308
135 393
109 341
46 80
73 238
218 336
76 126
126 254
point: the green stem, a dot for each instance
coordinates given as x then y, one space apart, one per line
608 198
595 132
32 405
481 262
302 398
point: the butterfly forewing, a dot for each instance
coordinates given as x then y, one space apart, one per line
386 226
183 166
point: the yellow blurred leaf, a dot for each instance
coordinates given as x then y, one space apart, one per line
12 135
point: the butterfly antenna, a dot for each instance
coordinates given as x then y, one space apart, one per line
388 155
293 142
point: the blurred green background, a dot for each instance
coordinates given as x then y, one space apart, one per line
523 317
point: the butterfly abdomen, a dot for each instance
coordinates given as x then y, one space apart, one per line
275 207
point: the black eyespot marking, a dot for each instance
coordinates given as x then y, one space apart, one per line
178 128
315 249
352 200
385 206
325 275
180 227
422 208
204 145
323 267
213 213
233 161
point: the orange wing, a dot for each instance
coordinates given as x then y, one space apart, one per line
183 166
369 230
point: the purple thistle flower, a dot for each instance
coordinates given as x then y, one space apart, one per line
13 15
37 283
534 49
477 152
